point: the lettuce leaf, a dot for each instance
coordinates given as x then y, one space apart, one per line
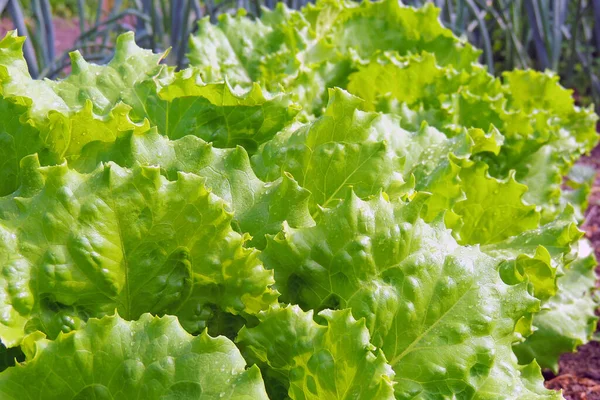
319 47
418 214
101 104
114 358
126 239
426 300
543 129
325 362
568 319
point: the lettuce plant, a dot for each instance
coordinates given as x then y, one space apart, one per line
331 203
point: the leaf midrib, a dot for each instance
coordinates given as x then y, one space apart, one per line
125 262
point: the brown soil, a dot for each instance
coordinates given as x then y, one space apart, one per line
575 387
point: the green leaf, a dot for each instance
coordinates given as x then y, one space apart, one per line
275 51
320 46
493 210
369 27
153 358
427 301
126 239
531 90
418 80
314 361
557 237
104 86
544 131
445 229
32 181
567 319
16 83
87 107
579 182
527 383
66 137
338 150
538 256
17 139
542 174
183 104
212 50
370 152
259 208
61 138
544 257
436 161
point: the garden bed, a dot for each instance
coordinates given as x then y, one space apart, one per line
579 373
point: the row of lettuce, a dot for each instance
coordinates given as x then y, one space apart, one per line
342 192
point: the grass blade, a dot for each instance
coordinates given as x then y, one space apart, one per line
487 44
182 42
49 28
596 11
81 11
573 45
38 38
16 13
537 31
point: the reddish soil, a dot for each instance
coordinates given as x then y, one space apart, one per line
575 387
65 32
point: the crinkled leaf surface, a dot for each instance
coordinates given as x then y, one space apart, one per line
557 237
332 361
439 311
17 139
151 358
258 207
71 138
168 229
544 131
96 103
579 182
567 319
127 239
338 150
318 47
492 210
182 104
104 86
347 147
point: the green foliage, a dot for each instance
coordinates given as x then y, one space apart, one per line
559 35
155 357
343 192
